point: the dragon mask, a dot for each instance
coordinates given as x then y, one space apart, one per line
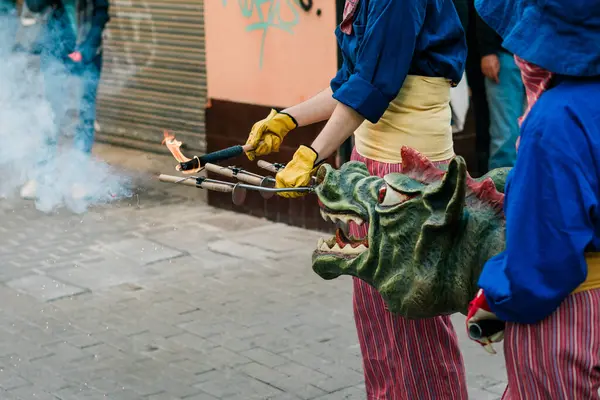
430 231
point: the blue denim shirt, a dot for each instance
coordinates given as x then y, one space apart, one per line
391 39
551 205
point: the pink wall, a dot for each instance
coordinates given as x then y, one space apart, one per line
298 59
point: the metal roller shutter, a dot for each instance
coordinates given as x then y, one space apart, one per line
154 74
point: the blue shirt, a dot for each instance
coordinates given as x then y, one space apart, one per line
551 206
391 39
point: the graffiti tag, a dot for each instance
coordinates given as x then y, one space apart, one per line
273 18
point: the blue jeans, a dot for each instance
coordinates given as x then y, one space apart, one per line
61 78
506 101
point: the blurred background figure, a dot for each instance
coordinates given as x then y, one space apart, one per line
69 42
8 20
477 86
28 31
505 95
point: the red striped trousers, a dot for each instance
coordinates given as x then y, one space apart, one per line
404 359
559 357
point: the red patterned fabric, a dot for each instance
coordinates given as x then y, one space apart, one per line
559 357
535 79
348 16
404 359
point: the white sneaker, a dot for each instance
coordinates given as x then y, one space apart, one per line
29 190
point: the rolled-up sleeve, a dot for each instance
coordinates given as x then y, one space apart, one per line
383 58
549 226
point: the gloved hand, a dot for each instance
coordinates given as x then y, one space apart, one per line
270 131
483 323
297 172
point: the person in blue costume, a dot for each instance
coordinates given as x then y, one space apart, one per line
546 284
70 46
400 60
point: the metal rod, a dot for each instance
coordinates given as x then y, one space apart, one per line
250 173
217 186
227 187
277 190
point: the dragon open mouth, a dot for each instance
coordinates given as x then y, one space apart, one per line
343 243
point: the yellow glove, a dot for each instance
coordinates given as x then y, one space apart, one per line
270 131
297 172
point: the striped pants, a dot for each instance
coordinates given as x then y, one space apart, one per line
404 359
559 357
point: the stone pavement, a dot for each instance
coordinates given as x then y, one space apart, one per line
162 297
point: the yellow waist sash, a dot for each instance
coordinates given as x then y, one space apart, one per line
419 117
593 273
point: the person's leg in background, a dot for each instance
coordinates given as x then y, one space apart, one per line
506 101
90 80
56 90
85 130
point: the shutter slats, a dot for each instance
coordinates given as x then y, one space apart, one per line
154 74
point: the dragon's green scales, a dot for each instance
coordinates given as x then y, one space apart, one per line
430 231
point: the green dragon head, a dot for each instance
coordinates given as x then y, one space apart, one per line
430 231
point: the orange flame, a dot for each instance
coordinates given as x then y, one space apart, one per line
174 147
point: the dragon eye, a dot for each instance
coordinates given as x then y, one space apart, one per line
382 192
388 198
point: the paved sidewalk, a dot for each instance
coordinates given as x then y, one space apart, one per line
162 297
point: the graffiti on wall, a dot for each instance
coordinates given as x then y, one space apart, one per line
269 15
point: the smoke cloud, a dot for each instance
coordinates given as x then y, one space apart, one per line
27 122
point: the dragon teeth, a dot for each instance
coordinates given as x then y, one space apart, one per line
353 250
336 249
324 215
341 217
358 221
323 246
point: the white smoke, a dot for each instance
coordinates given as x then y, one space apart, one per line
27 121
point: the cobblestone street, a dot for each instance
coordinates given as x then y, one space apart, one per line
161 297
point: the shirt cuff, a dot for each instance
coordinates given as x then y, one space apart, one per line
496 286
362 97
